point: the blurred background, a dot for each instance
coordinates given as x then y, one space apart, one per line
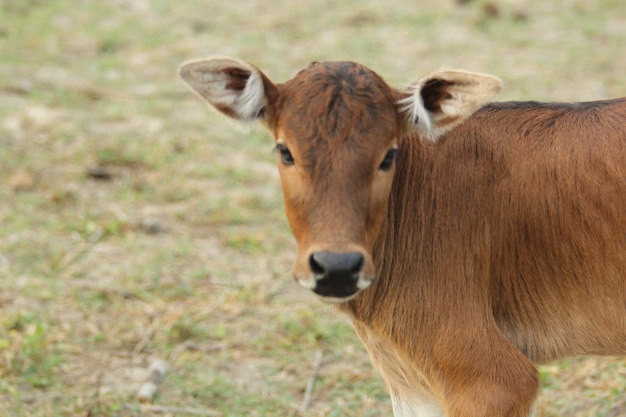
137 225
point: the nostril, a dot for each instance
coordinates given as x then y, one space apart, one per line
315 265
357 262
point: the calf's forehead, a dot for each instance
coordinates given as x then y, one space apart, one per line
338 103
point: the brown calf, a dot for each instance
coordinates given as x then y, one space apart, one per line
465 241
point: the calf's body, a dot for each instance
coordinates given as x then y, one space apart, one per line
466 241
504 244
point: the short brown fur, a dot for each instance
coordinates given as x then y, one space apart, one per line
505 243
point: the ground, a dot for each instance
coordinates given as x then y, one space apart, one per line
137 225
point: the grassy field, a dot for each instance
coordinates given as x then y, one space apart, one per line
137 225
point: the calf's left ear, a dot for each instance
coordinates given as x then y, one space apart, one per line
233 87
441 100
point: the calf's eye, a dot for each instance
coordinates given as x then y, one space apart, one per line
387 162
285 154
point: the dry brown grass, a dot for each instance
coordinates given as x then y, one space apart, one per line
135 224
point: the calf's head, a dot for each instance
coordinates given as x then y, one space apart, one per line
338 129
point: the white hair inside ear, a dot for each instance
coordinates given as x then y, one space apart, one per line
251 102
417 115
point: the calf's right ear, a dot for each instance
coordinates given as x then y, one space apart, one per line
441 100
233 87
